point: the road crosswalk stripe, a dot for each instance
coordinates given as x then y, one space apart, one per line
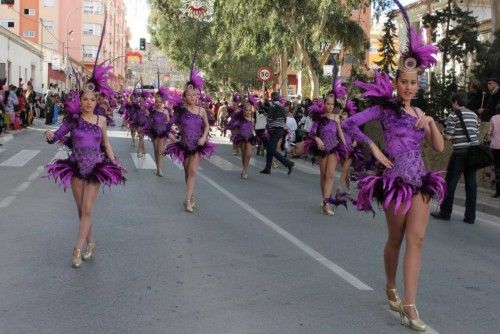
20 159
145 162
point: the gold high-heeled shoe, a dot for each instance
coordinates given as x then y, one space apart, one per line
89 252
188 207
394 305
244 175
76 261
414 324
327 210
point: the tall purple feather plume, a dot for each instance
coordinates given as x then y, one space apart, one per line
382 87
338 89
174 98
100 77
406 19
196 79
423 53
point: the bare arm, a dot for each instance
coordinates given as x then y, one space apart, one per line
105 141
432 133
339 129
206 127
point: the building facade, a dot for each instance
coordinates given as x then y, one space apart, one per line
72 28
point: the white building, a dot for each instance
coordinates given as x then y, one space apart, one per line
19 59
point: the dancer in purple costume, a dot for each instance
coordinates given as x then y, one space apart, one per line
232 110
136 121
326 143
104 109
90 164
158 128
404 188
192 122
242 132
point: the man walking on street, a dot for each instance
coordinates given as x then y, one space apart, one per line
458 119
275 122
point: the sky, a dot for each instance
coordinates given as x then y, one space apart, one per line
137 20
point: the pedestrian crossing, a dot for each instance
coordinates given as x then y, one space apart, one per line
22 158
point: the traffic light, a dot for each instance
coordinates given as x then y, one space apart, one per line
142 44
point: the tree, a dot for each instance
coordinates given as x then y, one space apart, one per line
488 60
387 50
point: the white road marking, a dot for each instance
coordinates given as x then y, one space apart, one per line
6 201
20 159
6 138
36 173
60 154
223 164
145 162
22 187
351 279
429 330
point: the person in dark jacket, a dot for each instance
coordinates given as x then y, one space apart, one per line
491 100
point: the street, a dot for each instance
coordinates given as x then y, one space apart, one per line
257 256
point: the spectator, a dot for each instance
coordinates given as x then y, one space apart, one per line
494 133
56 109
38 107
291 127
475 96
21 113
11 105
49 104
454 131
222 118
491 101
260 128
30 103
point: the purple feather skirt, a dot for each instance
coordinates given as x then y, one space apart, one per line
88 166
311 148
178 151
399 184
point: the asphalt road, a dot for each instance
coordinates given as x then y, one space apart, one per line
255 257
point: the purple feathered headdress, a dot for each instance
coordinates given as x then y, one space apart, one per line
418 56
253 100
316 109
72 106
196 81
174 98
236 97
163 92
99 80
338 90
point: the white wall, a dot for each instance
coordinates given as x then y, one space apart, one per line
22 59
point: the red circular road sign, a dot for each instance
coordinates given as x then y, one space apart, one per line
264 73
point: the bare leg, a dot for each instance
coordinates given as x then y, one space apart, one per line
331 164
140 147
344 177
132 133
395 233
322 173
247 154
194 161
416 224
90 192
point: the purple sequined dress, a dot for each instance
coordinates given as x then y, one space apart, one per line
87 160
157 125
136 116
403 144
191 128
326 130
241 129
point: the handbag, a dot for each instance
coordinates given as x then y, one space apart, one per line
478 156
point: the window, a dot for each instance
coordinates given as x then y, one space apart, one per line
7 23
29 33
89 51
92 29
48 24
49 3
29 11
92 7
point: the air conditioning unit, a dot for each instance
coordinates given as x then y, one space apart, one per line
7 2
